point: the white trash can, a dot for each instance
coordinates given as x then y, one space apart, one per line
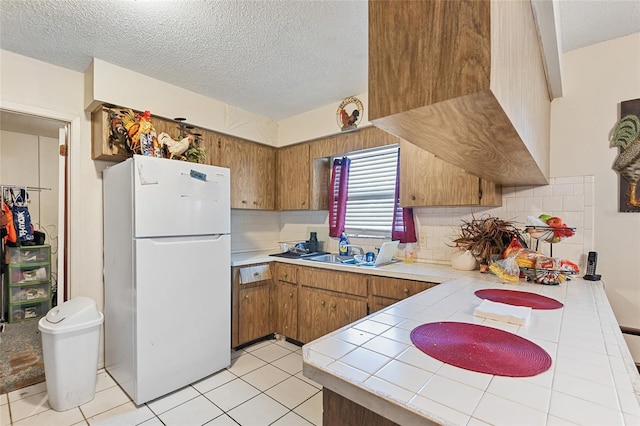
70 345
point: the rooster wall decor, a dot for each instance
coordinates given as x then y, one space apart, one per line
346 120
626 136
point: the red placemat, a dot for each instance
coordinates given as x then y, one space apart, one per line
480 348
519 298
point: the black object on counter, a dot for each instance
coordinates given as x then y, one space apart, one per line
293 255
312 244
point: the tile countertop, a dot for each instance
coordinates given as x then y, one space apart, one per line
592 379
418 271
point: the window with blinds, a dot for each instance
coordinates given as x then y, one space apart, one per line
372 185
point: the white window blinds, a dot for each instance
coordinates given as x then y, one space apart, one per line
372 185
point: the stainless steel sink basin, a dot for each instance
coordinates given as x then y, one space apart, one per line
333 258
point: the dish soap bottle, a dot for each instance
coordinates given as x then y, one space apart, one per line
343 250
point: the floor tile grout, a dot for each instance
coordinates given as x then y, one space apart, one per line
235 356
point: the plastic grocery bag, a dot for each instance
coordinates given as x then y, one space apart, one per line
506 269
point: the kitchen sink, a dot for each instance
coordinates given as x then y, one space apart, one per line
333 258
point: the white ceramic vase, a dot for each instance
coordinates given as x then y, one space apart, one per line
463 260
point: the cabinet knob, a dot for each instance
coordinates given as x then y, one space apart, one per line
304 202
255 274
246 296
284 275
244 201
413 197
406 290
255 203
290 294
322 302
333 305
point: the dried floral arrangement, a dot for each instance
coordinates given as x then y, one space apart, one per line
487 236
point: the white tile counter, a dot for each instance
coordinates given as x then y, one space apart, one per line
418 271
592 379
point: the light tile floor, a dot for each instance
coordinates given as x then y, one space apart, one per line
263 386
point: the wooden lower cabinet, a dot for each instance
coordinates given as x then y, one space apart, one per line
285 313
387 291
250 303
325 311
253 313
303 303
340 411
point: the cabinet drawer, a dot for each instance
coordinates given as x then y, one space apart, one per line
354 284
29 274
287 273
25 311
255 273
29 293
395 288
28 255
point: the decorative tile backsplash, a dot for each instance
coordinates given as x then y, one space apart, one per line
570 198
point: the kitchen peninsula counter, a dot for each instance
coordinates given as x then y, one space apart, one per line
373 363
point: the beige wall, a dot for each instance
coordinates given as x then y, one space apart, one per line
35 87
596 79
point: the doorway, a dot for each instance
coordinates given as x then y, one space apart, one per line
33 159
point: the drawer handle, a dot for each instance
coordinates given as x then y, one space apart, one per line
255 274
255 203
244 201
284 275
406 290
290 294
322 302
333 305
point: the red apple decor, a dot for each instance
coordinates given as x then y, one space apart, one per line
551 229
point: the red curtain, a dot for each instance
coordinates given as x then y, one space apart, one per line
403 228
339 192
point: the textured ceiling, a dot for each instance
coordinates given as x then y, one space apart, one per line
275 58
587 22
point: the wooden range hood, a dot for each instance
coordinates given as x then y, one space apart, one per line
464 80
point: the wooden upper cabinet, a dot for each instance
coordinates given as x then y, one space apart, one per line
102 147
293 177
252 172
465 80
429 181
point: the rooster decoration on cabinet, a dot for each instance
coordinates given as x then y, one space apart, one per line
135 132
626 136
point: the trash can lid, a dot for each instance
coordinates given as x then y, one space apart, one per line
79 312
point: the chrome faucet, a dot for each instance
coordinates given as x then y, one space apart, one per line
356 247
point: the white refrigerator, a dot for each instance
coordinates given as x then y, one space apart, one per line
167 274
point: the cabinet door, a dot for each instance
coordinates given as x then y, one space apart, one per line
212 145
253 313
327 279
396 288
490 193
285 315
293 176
380 303
322 312
252 173
428 181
